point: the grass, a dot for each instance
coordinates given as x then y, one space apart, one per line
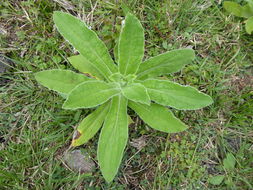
35 131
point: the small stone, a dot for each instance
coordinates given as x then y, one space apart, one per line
79 161
3 31
138 143
4 64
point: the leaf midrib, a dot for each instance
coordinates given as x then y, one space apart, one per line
93 50
114 129
151 68
97 57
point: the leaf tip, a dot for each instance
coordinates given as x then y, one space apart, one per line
192 53
130 16
56 14
36 75
210 100
39 76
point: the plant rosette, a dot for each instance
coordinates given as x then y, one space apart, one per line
114 87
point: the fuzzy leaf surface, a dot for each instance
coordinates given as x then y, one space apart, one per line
80 63
137 93
62 81
131 45
171 94
90 125
169 62
113 138
158 117
85 41
90 94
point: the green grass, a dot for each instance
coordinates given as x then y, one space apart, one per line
35 131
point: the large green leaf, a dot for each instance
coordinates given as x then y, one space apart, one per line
85 66
90 94
62 81
169 62
249 25
171 94
113 138
131 45
233 8
90 125
158 117
137 93
85 41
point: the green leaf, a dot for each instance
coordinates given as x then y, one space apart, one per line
216 180
122 79
249 25
238 10
130 78
158 117
62 81
90 94
229 162
247 11
85 66
90 125
137 93
116 77
250 4
171 94
113 138
131 45
233 8
85 41
169 62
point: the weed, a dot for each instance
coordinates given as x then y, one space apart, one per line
38 135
